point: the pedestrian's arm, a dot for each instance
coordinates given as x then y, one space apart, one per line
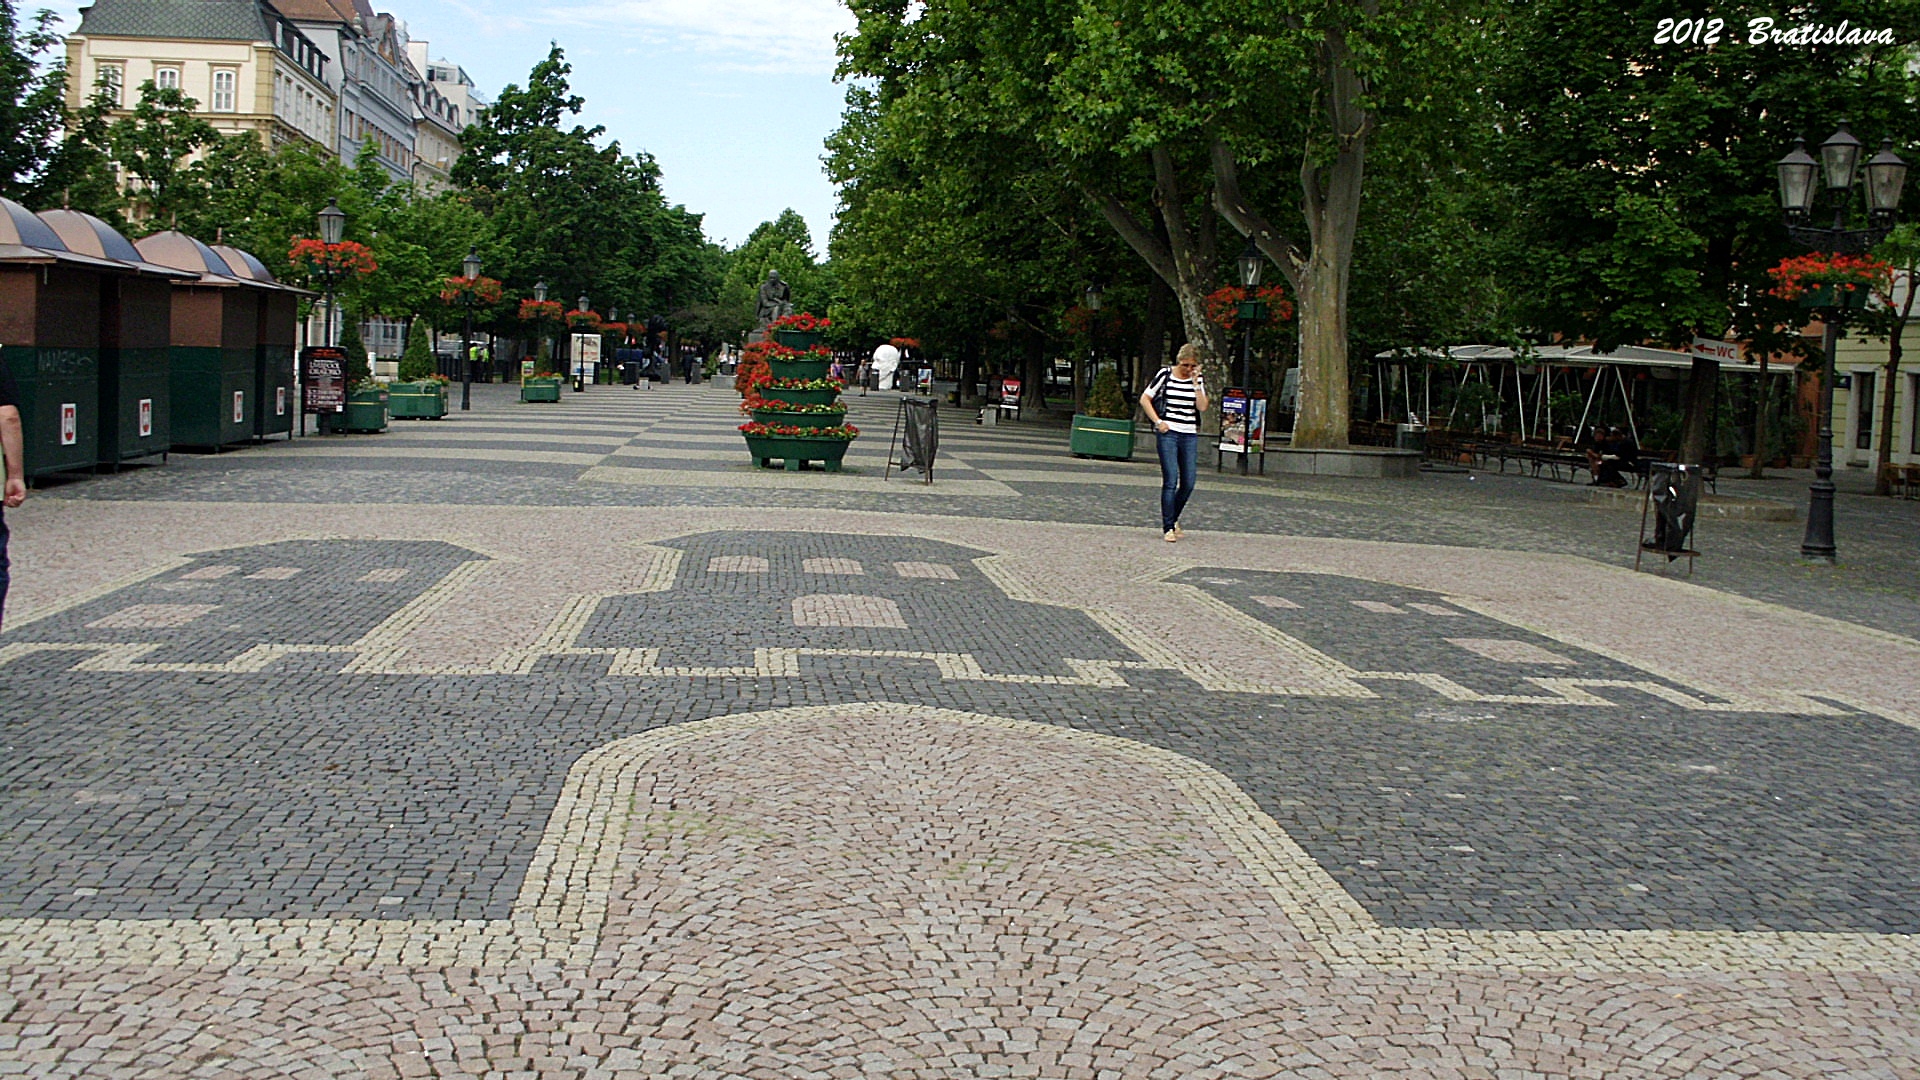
1200 398
13 453
1146 403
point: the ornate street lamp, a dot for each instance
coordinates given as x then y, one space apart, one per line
579 365
471 267
333 222
1886 175
1251 311
540 290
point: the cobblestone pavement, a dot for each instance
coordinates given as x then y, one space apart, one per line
555 741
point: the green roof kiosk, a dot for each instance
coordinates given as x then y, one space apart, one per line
215 343
278 335
136 322
50 330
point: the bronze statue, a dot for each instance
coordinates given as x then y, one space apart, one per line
774 302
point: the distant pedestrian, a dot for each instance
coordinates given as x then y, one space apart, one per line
13 477
1174 400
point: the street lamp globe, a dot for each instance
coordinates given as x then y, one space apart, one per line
1840 154
583 303
1250 261
471 264
1886 176
1095 295
333 222
540 291
1796 179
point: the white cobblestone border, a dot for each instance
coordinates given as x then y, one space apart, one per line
563 901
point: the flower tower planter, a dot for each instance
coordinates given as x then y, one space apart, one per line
796 409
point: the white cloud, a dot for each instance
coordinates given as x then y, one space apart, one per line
776 35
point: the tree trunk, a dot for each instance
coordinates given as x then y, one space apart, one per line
1321 420
1881 485
1032 393
1702 383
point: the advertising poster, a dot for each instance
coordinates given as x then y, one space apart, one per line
925 382
586 355
146 418
323 379
239 406
69 424
1009 389
526 370
1257 423
1233 420
279 401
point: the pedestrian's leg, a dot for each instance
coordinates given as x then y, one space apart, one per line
1189 458
1169 446
3 569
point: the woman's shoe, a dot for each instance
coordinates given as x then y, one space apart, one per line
1179 533
1173 536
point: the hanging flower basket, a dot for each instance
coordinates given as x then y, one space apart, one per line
1227 306
1831 281
585 322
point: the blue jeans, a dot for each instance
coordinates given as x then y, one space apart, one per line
3 564
1179 456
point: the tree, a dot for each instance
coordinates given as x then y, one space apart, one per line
1902 249
417 362
153 143
1642 173
32 108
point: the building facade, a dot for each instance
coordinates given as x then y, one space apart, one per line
374 83
247 66
444 104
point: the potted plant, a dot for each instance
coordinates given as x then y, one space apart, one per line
541 386
800 391
795 446
1105 430
787 362
799 330
780 413
420 393
1830 281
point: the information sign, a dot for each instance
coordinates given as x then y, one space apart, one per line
146 417
586 355
526 370
279 401
69 424
1009 389
239 406
925 382
1233 420
323 379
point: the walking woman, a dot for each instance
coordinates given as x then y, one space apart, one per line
1174 400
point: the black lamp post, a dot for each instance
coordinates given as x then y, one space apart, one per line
471 266
540 294
1251 310
333 226
1095 297
1886 175
579 365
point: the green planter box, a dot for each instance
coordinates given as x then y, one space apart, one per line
798 419
799 397
1098 437
366 415
796 451
51 381
800 369
540 390
417 400
798 339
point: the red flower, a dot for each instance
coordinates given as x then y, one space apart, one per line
1223 305
583 320
1848 272
844 431
537 311
800 320
485 291
345 257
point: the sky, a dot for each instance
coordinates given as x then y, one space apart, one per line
733 98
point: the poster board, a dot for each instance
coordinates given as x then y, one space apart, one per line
586 355
323 379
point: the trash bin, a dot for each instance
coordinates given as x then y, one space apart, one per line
215 346
1410 437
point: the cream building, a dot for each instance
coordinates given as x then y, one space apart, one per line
1860 392
248 67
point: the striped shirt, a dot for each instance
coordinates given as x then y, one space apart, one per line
1181 395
